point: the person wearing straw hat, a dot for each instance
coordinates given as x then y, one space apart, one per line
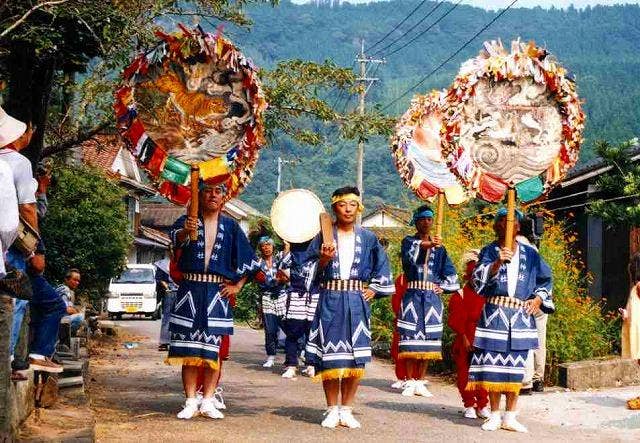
214 268
339 343
517 283
429 273
272 282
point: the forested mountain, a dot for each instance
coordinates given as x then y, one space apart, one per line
600 45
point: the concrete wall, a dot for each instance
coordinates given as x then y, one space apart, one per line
16 399
600 373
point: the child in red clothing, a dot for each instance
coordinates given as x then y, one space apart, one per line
396 302
464 311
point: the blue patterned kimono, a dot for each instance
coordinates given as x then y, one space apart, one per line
339 341
420 317
274 294
201 316
504 335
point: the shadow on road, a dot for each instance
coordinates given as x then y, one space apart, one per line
298 413
611 402
435 410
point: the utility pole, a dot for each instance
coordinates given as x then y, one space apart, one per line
365 84
280 163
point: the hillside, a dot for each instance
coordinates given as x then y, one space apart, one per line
600 45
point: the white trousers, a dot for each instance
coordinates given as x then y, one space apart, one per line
534 369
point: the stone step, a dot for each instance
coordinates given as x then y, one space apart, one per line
68 382
599 373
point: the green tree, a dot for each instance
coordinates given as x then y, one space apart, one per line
86 227
619 188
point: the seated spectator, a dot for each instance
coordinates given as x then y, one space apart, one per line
67 292
47 309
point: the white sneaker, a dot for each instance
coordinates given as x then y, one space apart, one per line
310 371
398 384
190 409
510 423
208 409
218 400
409 388
332 417
290 372
421 389
470 412
347 419
493 423
484 412
270 362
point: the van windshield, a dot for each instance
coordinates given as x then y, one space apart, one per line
138 275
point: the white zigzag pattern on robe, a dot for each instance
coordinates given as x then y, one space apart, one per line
218 299
201 336
497 313
432 312
187 298
244 268
526 319
412 309
498 358
361 329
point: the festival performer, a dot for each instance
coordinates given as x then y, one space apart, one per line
631 321
516 283
396 302
429 273
339 342
272 282
464 312
214 267
301 307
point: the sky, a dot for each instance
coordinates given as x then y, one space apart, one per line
498 4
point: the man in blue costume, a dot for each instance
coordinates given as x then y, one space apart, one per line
214 268
301 308
273 287
429 272
339 342
517 283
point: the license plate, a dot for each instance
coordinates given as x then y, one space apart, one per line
131 309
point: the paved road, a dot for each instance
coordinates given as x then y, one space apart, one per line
136 397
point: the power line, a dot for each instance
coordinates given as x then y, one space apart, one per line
426 30
426 77
410 29
397 26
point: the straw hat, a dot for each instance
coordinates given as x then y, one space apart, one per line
10 129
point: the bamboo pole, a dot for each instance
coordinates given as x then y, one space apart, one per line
193 207
440 213
511 217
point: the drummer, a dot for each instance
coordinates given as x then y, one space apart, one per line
339 342
214 267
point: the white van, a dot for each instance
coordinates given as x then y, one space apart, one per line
134 292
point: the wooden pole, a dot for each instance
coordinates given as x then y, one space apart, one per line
511 217
193 207
440 213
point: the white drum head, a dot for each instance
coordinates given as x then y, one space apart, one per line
295 215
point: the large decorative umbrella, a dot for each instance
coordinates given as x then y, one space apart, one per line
416 150
513 124
189 108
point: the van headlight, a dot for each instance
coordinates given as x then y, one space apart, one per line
112 295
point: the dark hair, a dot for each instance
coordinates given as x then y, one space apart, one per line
72 271
346 190
634 268
422 209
